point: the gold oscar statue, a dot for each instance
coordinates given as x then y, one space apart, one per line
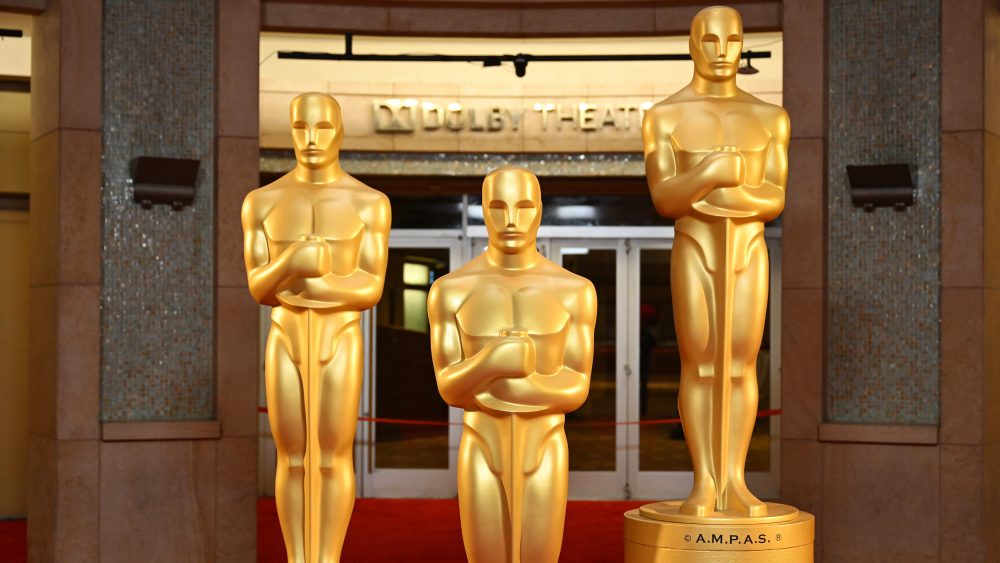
716 162
512 338
315 246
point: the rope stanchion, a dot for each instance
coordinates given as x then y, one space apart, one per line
407 422
651 422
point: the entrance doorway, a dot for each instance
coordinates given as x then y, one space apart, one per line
408 446
624 441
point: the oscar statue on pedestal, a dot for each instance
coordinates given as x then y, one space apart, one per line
716 163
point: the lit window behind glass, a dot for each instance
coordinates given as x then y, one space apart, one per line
405 387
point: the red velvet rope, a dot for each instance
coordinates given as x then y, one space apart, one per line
409 422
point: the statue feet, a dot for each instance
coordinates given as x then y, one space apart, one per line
701 501
742 501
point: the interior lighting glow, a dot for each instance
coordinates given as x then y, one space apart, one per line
576 212
416 274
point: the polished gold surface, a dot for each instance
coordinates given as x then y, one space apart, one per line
512 339
670 511
315 246
716 162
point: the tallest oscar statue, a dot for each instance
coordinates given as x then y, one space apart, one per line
716 163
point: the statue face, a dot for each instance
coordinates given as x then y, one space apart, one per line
716 43
317 129
512 209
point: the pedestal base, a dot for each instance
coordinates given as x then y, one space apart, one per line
749 541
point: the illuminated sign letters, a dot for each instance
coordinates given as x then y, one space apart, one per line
409 115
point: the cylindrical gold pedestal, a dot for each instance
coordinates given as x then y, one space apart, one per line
662 541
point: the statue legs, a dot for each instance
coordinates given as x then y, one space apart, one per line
544 507
512 511
340 391
748 328
313 368
694 305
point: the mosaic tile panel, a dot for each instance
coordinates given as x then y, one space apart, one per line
883 267
470 164
157 292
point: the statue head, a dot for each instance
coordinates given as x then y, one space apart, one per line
317 129
716 43
512 209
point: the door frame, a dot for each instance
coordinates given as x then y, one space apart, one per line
606 484
677 484
404 483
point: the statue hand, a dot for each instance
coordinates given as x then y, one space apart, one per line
511 356
309 258
726 167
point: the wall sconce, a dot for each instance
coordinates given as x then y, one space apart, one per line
881 185
167 181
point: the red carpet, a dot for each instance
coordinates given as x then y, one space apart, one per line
389 530
13 541
384 530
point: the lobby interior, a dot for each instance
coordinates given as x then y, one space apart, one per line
133 422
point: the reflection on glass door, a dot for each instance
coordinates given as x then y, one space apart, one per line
404 374
661 447
593 443
596 467
410 448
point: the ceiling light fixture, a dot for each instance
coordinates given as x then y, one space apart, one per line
747 66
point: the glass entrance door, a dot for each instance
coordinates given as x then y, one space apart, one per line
658 459
626 441
620 446
408 437
597 463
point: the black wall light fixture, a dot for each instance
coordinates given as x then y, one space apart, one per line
166 181
881 185
5 32
15 202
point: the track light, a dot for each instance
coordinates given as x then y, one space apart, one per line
520 65
747 67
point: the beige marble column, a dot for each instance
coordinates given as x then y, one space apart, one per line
803 257
65 163
970 279
236 338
